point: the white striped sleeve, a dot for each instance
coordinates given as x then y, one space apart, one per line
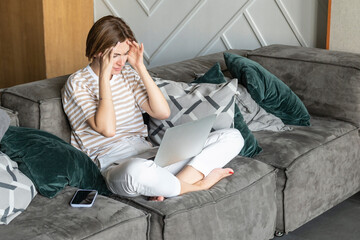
139 90
80 107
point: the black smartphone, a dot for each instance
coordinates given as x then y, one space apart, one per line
83 198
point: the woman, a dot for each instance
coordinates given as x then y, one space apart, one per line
104 104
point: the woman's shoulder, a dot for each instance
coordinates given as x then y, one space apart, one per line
79 79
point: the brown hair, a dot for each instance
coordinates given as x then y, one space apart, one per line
106 32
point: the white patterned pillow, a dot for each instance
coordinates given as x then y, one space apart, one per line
190 101
4 122
16 190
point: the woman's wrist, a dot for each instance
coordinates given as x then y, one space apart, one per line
140 67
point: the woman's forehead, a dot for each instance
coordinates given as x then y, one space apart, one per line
122 48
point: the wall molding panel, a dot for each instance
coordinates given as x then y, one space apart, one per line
291 23
174 30
149 10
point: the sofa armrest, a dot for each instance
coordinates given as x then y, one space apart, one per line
328 82
38 105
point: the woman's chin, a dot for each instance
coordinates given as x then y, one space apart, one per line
116 71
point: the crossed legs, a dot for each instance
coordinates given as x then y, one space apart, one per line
143 177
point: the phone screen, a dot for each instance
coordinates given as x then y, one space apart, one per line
84 197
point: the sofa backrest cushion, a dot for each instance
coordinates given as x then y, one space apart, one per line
39 105
267 90
187 70
326 81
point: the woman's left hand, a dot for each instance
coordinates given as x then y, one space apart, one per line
136 54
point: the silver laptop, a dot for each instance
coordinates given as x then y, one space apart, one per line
181 142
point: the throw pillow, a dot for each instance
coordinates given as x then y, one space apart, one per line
14 119
251 147
50 162
16 190
255 117
4 123
267 90
190 102
214 75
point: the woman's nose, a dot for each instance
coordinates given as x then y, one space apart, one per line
122 60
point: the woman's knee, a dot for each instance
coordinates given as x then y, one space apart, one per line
233 137
231 134
123 179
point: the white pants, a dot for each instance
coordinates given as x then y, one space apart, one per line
132 177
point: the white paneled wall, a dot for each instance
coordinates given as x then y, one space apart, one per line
174 30
344 28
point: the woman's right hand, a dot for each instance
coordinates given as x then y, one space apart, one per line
106 60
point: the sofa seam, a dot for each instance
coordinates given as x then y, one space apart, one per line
301 60
27 98
18 95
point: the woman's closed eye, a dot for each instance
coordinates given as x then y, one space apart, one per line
121 55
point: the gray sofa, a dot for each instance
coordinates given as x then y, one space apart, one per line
299 174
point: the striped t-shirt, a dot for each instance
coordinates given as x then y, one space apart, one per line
80 98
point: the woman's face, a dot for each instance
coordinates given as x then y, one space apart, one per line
120 57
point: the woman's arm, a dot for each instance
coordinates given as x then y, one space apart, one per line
156 106
104 120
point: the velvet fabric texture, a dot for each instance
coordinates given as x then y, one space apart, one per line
38 105
251 146
242 206
267 90
327 82
50 162
318 168
54 219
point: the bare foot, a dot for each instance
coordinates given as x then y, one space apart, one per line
214 176
157 199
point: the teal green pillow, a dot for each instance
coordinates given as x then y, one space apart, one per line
50 162
213 75
267 90
251 147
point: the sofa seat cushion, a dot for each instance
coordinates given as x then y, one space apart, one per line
242 206
39 105
318 168
56 219
281 149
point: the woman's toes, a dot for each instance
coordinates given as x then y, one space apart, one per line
157 199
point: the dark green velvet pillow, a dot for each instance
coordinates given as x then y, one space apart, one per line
251 147
267 90
213 75
50 162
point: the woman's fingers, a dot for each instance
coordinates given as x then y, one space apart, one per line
107 51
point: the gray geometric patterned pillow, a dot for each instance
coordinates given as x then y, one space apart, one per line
14 119
4 123
189 102
16 190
